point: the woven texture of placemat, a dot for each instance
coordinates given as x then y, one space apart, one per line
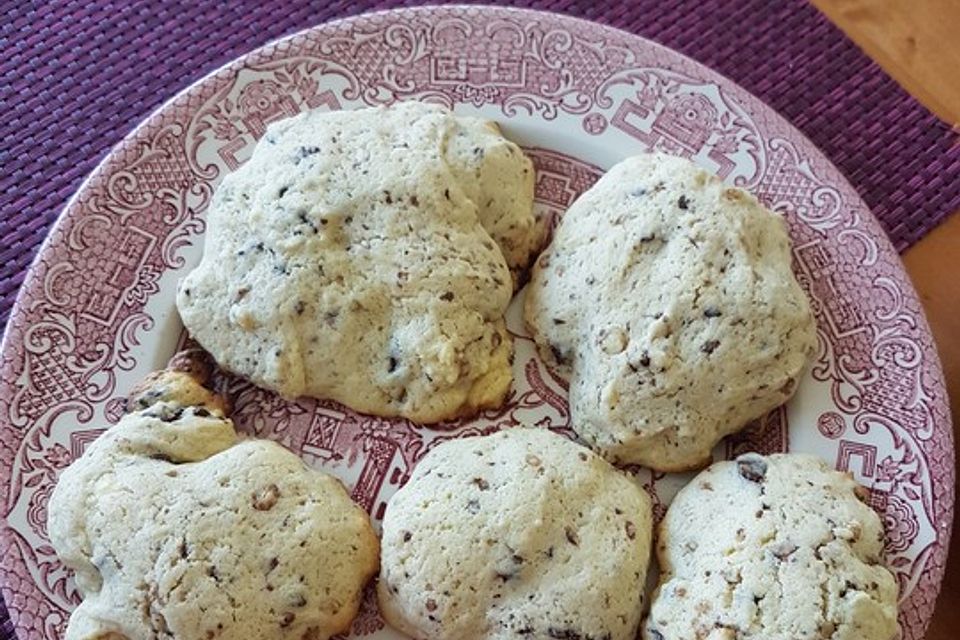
76 76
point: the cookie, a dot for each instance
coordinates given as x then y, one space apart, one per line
520 534
176 528
668 300
348 260
496 175
772 548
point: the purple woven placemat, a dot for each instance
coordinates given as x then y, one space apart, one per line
76 76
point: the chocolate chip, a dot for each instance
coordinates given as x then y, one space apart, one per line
559 355
287 619
645 359
783 550
752 469
572 537
446 193
648 238
302 216
414 201
298 600
558 321
711 312
447 296
299 307
200 412
709 346
145 400
282 191
631 530
391 364
848 586
683 203
165 413
407 536
482 484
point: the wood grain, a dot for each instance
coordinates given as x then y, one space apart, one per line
916 42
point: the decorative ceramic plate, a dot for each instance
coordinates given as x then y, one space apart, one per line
97 313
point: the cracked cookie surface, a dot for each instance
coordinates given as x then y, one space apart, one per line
668 299
176 528
366 257
772 548
520 534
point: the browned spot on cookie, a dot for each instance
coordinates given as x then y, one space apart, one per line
266 498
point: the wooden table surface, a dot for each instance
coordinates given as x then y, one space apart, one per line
916 42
